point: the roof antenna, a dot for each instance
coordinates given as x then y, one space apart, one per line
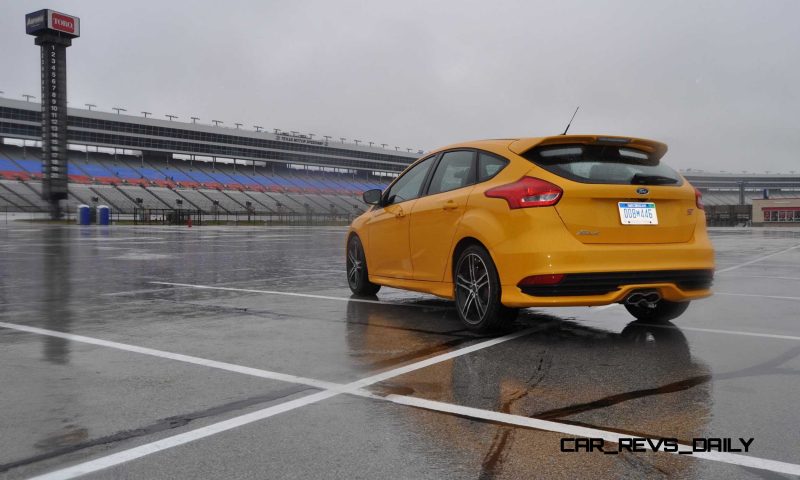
570 120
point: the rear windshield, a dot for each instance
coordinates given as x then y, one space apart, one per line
603 164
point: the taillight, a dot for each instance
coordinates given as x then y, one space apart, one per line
698 199
527 192
546 279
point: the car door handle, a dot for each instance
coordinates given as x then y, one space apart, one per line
451 205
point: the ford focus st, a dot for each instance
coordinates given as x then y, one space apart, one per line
499 225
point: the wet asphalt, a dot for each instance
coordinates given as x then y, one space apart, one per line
729 367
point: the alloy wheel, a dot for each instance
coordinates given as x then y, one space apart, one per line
473 289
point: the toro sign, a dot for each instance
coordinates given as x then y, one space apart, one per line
44 21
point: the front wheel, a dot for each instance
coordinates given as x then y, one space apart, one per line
357 275
661 312
477 291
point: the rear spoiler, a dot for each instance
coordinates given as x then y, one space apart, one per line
656 150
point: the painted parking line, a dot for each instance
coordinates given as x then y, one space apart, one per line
250 280
774 297
173 356
577 431
290 294
330 389
756 260
741 333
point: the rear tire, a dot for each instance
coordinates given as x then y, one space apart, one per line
663 312
477 291
357 274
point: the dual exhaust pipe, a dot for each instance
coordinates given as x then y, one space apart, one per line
647 299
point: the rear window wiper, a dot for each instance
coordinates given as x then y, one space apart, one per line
640 179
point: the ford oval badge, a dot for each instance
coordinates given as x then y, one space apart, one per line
642 191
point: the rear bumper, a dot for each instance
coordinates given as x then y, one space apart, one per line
514 297
601 283
542 245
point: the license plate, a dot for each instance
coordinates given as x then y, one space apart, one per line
638 213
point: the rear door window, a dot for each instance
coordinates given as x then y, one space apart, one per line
603 164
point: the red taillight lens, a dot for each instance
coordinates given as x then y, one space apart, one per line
547 279
698 199
527 192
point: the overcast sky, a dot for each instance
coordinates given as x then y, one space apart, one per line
718 81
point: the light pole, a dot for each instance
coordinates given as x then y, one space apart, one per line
311 135
217 122
370 143
294 134
170 116
118 109
396 148
384 145
90 105
27 97
327 137
357 142
145 114
195 119
238 125
276 130
342 139
258 128
409 150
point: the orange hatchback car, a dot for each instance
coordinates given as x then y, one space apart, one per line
498 225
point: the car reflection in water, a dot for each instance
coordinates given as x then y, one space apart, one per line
642 382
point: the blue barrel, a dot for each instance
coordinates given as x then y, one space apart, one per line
84 215
103 215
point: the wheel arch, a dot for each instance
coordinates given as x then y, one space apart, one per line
460 246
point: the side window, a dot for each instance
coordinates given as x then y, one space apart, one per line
454 171
408 186
489 165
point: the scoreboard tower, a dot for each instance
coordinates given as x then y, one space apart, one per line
54 32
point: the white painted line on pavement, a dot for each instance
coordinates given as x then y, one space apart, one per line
173 356
762 276
574 430
329 390
776 297
353 388
291 294
124 456
756 260
740 333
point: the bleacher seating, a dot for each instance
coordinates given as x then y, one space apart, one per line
119 179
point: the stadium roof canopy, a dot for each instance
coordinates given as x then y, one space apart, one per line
20 119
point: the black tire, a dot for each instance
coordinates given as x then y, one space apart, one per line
476 288
357 274
663 312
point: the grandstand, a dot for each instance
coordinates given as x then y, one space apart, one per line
134 163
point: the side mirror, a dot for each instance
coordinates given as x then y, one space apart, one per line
372 197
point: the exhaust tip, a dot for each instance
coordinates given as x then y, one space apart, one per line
643 299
